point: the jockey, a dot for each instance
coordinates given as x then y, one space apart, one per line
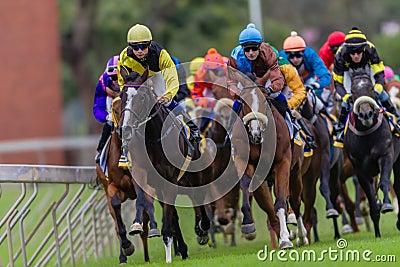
330 47
194 65
142 53
107 88
295 88
309 65
212 67
356 53
256 58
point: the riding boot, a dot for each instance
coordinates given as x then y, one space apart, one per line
107 128
340 127
310 142
194 130
236 107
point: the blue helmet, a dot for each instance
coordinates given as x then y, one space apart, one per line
250 35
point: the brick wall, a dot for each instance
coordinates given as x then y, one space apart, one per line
31 96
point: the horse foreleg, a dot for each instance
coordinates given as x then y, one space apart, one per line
308 196
367 186
141 201
127 248
144 236
248 227
324 189
396 187
384 183
202 234
181 245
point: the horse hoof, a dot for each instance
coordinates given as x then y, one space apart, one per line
387 207
229 229
285 245
202 240
136 228
346 229
291 219
248 229
359 220
250 237
129 250
398 225
332 213
154 233
302 242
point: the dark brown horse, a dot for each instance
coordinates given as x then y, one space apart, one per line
263 157
164 159
119 186
326 164
371 146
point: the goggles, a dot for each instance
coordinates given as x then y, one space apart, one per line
298 54
356 51
141 46
111 69
253 48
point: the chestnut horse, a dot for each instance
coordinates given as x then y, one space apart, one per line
326 163
261 135
371 146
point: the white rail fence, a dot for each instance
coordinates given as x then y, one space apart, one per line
49 216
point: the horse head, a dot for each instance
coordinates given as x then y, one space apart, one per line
361 83
366 110
254 108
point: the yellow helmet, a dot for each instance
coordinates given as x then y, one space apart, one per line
139 33
195 64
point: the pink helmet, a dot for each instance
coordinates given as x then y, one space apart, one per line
389 73
112 64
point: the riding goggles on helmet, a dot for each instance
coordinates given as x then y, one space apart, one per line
141 46
251 46
297 54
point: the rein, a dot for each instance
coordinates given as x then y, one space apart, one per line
370 130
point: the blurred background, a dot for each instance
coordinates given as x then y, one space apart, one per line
53 53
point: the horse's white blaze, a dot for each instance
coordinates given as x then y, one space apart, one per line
284 234
130 93
168 250
255 105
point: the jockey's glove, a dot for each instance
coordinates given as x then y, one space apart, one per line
312 86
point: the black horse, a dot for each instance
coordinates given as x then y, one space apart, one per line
371 146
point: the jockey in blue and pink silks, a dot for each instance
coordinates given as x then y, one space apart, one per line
107 88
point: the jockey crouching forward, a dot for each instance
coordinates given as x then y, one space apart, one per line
142 53
212 67
295 88
358 53
107 88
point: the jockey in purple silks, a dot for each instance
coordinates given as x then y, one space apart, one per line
107 88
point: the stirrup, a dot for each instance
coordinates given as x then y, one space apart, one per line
339 140
124 161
